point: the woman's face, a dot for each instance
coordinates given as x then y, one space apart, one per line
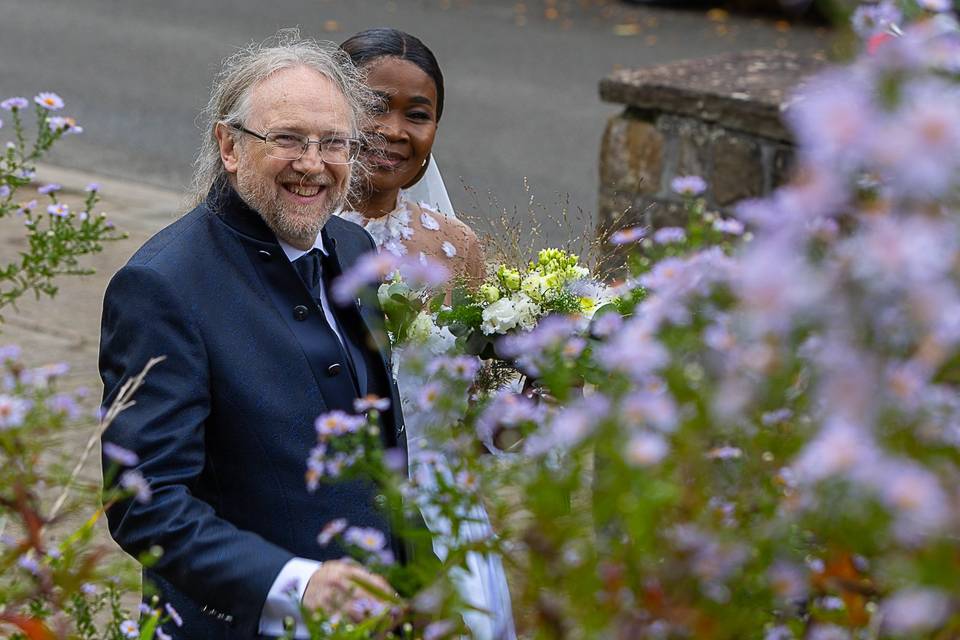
407 123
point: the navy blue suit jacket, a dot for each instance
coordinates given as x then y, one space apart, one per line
223 426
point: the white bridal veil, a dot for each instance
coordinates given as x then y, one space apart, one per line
431 190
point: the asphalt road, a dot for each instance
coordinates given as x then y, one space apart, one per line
522 116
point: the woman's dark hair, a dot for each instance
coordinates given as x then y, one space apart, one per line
371 44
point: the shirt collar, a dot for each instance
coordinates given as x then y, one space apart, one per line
293 253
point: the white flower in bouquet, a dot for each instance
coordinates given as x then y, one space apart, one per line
424 330
509 313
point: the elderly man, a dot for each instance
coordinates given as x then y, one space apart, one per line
233 294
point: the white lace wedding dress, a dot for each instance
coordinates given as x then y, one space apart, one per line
483 585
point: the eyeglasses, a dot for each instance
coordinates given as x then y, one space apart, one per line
284 145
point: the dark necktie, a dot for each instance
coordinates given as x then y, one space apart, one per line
310 268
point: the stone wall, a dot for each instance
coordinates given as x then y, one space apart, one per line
718 118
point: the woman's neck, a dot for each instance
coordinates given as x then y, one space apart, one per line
377 205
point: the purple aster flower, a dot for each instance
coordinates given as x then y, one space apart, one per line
507 410
144 609
915 611
27 207
134 482
645 449
917 149
363 608
53 187
92 187
49 101
13 104
462 368
439 630
59 210
428 396
375 267
29 564
606 325
10 353
366 538
174 615
58 123
937 6
338 464
725 453
549 333
337 423
634 350
88 589
688 185
120 455
13 411
65 404
650 408
130 629
370 401
835 119
728 225
570 426
669 235
869 20
629 235
4 191
772 418
331 530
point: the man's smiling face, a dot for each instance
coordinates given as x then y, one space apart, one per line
294 197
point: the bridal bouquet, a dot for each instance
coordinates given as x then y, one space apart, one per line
509 301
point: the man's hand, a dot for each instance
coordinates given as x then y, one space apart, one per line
338 585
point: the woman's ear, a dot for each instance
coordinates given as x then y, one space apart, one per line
228 147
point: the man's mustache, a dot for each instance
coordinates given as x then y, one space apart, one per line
307 180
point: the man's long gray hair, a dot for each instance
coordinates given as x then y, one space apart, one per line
241 72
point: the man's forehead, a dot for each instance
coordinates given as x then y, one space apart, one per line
300 97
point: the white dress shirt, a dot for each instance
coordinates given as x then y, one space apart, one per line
286 593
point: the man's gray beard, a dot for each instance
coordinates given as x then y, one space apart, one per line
287 221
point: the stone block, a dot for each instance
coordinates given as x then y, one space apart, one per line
631 155
737 169
692 150
743 90
781 165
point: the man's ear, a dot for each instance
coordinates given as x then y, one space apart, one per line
228 147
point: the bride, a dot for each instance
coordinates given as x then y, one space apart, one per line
407 211
404 72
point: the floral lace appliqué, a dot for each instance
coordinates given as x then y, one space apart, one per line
389 231
428 221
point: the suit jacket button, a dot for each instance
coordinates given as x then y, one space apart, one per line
300 312
264 255
333 369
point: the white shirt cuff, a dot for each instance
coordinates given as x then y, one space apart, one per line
284 598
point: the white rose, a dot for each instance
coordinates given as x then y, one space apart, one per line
499 317
441 340
528 311
421 328
383 293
